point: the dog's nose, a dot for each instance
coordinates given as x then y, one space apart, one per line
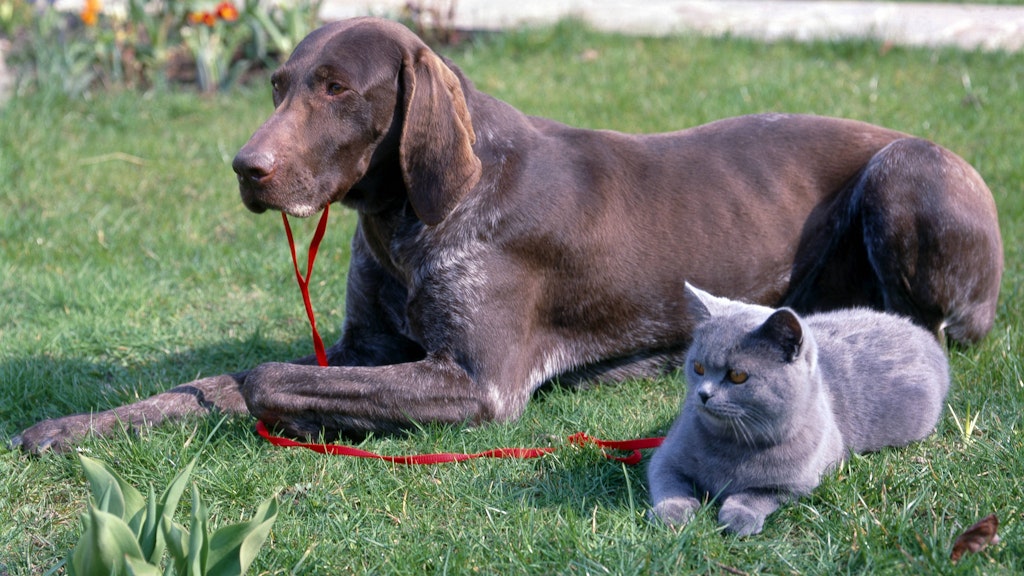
253 167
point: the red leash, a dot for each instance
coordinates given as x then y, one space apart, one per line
314 245
578 439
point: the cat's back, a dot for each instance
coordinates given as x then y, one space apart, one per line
886 376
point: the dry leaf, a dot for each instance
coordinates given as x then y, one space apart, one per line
976 538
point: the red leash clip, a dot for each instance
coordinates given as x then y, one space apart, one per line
632 446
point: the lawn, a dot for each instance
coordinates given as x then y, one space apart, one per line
128 265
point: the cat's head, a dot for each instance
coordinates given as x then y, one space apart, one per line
750 368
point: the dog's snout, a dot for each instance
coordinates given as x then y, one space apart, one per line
253 166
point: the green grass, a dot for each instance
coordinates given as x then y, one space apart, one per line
128 264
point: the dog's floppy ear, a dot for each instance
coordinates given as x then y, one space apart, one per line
436 151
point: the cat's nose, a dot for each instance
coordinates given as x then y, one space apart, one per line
704 396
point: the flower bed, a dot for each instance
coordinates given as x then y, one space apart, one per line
142 44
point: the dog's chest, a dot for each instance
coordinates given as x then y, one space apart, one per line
441 263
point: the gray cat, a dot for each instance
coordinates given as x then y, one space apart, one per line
775 400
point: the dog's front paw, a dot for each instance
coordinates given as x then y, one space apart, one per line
272 396
675 512
58 434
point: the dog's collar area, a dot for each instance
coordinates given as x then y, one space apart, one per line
303 281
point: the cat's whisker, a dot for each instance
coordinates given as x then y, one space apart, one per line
765 427
745 434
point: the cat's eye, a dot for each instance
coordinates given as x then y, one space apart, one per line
698 368
736 376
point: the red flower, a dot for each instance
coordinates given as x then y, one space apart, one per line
208 18
227 11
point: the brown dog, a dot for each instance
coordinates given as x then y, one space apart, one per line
496 251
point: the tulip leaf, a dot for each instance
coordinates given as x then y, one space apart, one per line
234 547
139 567
103 546
125 501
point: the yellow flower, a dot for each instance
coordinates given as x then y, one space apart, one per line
91 12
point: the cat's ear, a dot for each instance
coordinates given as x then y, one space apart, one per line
783 330
702 305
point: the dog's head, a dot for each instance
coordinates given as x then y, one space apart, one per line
366 114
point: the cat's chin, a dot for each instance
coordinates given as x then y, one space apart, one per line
713 418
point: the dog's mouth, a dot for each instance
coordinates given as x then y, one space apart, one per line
297 210
301 211
252 203
258 199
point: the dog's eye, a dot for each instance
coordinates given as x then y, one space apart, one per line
736 376
334 88
698 368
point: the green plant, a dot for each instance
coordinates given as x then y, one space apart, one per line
14 14
966 426
124 533
151 30
52 56
278 27
214 38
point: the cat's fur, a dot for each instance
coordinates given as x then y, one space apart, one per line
815 389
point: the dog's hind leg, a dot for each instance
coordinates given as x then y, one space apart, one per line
932 237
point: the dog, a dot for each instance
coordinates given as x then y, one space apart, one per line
497 251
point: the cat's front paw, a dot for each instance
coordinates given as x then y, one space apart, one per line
674 512
740 520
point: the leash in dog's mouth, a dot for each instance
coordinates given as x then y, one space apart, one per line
314 245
